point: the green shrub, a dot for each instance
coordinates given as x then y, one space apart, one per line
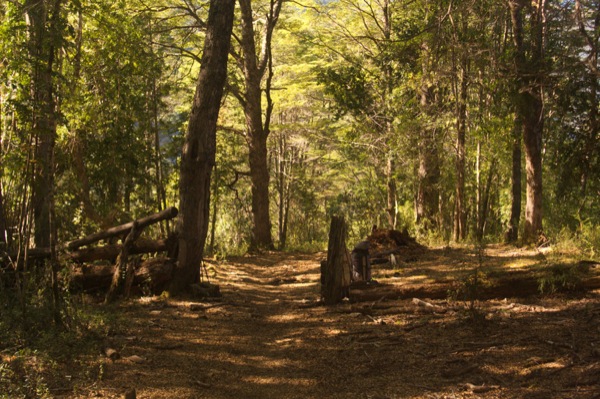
562 277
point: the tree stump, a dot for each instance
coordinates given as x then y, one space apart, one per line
335 271
124 271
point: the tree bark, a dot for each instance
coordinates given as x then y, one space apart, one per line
335 272
254 66
512 235
392 205
529 65
43 30
460 217
428 172
428 176
198 157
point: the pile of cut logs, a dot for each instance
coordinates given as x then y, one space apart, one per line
120 273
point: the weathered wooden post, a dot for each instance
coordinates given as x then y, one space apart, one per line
335 271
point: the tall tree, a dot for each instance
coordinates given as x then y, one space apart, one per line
44 31
588 22
255 60
529 42
198 157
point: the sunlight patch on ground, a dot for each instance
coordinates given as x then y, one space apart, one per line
268 362
420 278
304 382
520 263
284 318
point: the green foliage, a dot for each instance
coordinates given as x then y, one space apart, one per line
33 349
348 87
562 277
21 377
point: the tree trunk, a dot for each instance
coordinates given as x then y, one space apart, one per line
198 157
591 148
43 36
254 67
392 205
215 210
282 172
530 112
460 217
428 173
512 235
335 271
484 207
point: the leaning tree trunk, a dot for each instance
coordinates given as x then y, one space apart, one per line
335 271
199 148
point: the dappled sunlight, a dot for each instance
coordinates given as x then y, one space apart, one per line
520 263
269 335
280 382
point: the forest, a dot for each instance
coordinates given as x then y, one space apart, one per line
209 144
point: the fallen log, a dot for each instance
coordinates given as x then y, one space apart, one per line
123 229
512 287
151 276
110 252
107 252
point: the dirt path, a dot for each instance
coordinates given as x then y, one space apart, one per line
267 338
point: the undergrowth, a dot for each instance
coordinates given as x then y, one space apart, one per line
468 288
563 277
35 352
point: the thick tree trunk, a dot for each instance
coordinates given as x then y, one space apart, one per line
254 69
530 112
43 20
533 165
42 49
427 202
428 172
198 157
259 175
335 271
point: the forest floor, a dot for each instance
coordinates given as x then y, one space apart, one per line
269 336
